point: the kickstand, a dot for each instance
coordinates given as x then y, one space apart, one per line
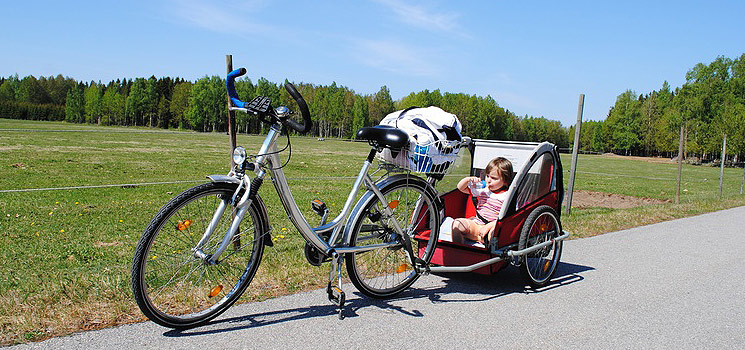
335 293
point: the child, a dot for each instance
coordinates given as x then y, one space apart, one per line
498 176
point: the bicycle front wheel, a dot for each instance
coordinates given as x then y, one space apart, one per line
177 289
385 272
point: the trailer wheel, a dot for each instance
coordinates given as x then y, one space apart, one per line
539 266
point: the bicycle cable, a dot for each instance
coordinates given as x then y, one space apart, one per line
289 155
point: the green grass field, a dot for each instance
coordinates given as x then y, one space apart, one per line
67 252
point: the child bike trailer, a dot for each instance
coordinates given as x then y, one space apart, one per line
528 232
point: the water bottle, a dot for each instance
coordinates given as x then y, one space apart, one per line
477 185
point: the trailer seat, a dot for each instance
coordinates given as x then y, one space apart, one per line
458 205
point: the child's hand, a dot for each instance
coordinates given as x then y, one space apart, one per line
474 182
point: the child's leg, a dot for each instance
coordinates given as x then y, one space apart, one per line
486 231
466 229
460 228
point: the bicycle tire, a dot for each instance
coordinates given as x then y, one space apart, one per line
386 272
538 267
195 292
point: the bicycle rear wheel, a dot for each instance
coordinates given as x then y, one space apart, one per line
388 271
174 288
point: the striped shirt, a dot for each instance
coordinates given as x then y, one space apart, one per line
489 203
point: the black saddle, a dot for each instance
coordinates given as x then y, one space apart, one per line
384 136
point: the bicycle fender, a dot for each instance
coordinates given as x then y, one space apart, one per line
224 178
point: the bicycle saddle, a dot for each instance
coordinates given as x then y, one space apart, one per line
384 136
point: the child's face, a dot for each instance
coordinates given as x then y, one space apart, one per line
494 180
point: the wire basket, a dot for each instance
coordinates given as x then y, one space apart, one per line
431 158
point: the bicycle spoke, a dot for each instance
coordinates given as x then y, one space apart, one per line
175 286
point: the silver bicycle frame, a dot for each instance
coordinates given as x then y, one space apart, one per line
268 159
313 234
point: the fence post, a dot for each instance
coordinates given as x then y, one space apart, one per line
742 185
680 163
575 151
231 114
721 167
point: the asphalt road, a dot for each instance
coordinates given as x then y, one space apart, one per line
678 284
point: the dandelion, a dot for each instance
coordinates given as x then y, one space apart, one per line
32 223
50 213
62 231
56 202
121 220
77 202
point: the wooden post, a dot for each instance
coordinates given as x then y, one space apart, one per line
575 152
721 167
742 186
231 114
680 163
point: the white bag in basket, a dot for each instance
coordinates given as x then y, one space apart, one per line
429 131
425 125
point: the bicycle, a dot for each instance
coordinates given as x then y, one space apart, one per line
185 274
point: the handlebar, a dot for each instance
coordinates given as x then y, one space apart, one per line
307 122
300 128
230 81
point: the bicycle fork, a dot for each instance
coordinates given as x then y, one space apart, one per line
241 209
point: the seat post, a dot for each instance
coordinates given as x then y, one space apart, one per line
371 156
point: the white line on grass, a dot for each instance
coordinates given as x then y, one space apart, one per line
316 178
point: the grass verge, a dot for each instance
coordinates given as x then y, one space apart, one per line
67 253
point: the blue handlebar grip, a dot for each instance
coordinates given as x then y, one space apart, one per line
230 82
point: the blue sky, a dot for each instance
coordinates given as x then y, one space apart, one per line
534 58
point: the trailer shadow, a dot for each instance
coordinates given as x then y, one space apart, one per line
458 287
474 287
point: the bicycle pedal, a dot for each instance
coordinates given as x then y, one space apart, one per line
336 295
319 207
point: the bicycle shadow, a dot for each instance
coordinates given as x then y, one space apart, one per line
466 287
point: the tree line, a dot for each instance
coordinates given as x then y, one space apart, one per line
709 105
337 111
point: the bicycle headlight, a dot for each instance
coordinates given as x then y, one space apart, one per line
239 155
